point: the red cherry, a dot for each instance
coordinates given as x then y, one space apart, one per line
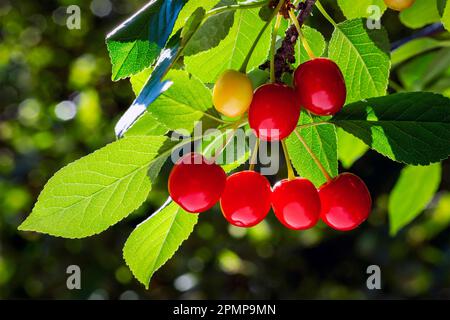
320 86
296 203
346 202
245 201
195 184
274 112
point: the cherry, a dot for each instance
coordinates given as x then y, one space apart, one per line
320 86
399 5
245 201
232 94
195 184
346 202
274 112
296 203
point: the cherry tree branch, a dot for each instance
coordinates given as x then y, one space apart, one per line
285 55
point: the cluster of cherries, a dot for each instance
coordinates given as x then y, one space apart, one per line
197 184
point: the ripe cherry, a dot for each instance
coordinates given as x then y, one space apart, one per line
274 112
232 94
296 203
399 5
195 184
346 202
245 201
320 86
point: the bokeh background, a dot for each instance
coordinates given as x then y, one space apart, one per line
57 104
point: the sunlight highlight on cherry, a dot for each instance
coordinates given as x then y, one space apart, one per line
296 203
320 86
246 199
195 184
346 202
274 112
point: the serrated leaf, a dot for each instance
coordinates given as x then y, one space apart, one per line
363 56
322 141
136 43
412 193
359 9
231 52
212 31
413 128
421 13
186 102
152 88
93 193
138 80
155 240
315 40
350 148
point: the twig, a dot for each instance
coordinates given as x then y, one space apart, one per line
285 55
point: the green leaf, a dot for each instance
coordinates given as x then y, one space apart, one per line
359 9
147 125
416 47
231 51
413 191
413 128
192 25
412 73
421 13
136 43
189 9
93 193
446 16
138 80
350 148
152 88
322 141
315 40
363 56
156 240
233 156
186 102
212 31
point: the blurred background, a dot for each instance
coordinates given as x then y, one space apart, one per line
57 104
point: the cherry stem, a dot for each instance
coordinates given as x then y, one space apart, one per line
300 34
244 66
233 129
325 14
254 157
314 124
313 156
272 46
291 172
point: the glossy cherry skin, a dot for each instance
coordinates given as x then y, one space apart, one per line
399 5
245 201
320 86
232 94
346 202
274 112
296 203
195 184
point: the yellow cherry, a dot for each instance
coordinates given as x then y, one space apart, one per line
232 94
399 5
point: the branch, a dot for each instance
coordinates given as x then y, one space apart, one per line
285 55
425 32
